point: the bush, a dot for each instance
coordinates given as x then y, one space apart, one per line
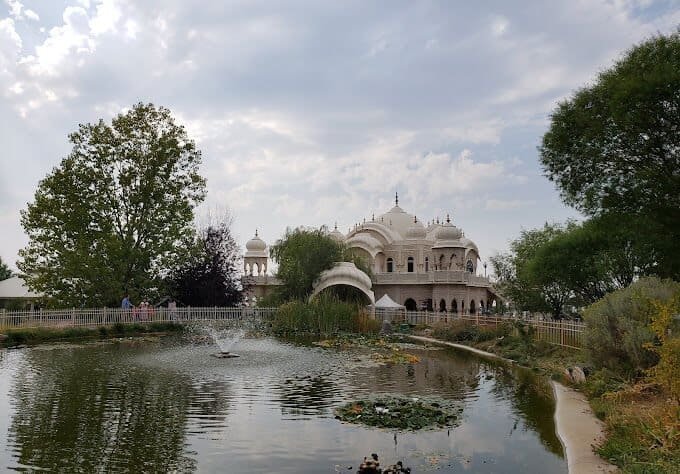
618 326
667 372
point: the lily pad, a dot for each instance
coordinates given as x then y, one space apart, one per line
402 413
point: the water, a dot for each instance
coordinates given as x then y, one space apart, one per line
159 406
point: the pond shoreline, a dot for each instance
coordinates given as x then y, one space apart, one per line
578 429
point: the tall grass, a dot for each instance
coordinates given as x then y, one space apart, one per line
324 315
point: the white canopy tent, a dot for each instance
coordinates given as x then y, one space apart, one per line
14 290
387 309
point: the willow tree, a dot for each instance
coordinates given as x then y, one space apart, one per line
111 217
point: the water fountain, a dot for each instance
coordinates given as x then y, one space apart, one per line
225 340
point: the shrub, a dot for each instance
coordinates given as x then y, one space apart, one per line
618 333
667 372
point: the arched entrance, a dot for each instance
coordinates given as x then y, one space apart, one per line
442 306
473 309
454 306
344 273
410 304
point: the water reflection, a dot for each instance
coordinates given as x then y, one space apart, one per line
172 407
77 411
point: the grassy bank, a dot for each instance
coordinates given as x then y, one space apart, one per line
642 421
15 337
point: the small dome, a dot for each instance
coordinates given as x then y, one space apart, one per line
448 235
337 235
448 231
469 244
256 244
417 231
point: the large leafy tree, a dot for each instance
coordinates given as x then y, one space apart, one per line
614 146
111 217
209 276
5 272
301 255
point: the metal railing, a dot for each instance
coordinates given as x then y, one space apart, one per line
94 317
561 333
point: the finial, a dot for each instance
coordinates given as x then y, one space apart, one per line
437 219
255 232
373 217
448 219
415 220
364 220
396 198
336 225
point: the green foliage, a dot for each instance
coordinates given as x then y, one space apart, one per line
667 372
618 326
529 287
5 272
323 315
112 216
302 254
613 147
463 331
594 258
39 335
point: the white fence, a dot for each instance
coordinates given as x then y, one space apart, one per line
561 333
65 318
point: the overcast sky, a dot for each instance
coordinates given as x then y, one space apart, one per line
311 112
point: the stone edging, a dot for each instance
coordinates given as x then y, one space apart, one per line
577 427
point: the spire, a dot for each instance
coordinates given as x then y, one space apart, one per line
255 232
396 198
448 219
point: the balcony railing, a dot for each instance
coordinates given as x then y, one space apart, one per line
437 276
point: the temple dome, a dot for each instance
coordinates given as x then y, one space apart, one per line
448 235
417 231
256 247
337 235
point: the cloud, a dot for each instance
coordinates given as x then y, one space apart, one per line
313 112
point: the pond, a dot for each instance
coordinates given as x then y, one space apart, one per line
167 405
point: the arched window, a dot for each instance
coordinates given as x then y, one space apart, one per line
427 264
469 266
441 262
473 309
442 306
410 304
409 264
454 306
390 265
451 263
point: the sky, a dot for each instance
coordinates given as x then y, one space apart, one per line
316 112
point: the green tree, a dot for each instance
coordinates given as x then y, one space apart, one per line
527 286
111 217
5 272
614 146
596 257
301 255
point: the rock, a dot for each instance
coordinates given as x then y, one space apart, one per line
576 374
428 332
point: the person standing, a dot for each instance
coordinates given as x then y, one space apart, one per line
126 304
